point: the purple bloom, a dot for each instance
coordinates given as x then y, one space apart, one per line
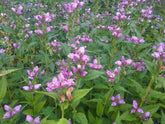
69 121
123 62
111 76
80 59
16 45
70 7
144 116
2 51
31 86
42 72
66 28
62 81
116 100
33 73
116 31
139 66
135 108
39 31
10 112
47 17
31 120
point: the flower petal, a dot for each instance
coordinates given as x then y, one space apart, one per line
29 118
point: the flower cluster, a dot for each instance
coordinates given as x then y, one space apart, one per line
56 46
144 116
34 73
18 11
121 16
31 86
135 109
59 82
94 65
123 62
85 38
44 19
47 17
80 59
16 45
116 31
104 41
11 112
2 51
147 12
33 121
134 39
64 69
70 7
116 100
139 66
111 76
159 54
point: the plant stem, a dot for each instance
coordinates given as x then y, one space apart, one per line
62 109
147 90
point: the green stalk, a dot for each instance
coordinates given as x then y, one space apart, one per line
147 90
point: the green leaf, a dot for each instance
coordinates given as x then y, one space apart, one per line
28 112
64 48
78 94
93 74
8 29
127 116
80 118
3 87
38 107
118 120
151 108
150 65
139 88
91 118
163 117
48 122
51 94
160 82
123 89
101 86
5 72
156 94
124 107
99 109
63 121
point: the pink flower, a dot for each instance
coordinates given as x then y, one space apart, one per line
10 112
66 28
31 86
30 119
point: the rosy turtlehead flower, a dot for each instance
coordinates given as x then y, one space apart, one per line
2 51
39 31
70 7
144 116
31 86
116 100
111 76
33 72
33 121
135 108
66 28
123 62
10 112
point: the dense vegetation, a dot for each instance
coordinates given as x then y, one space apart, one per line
82 62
